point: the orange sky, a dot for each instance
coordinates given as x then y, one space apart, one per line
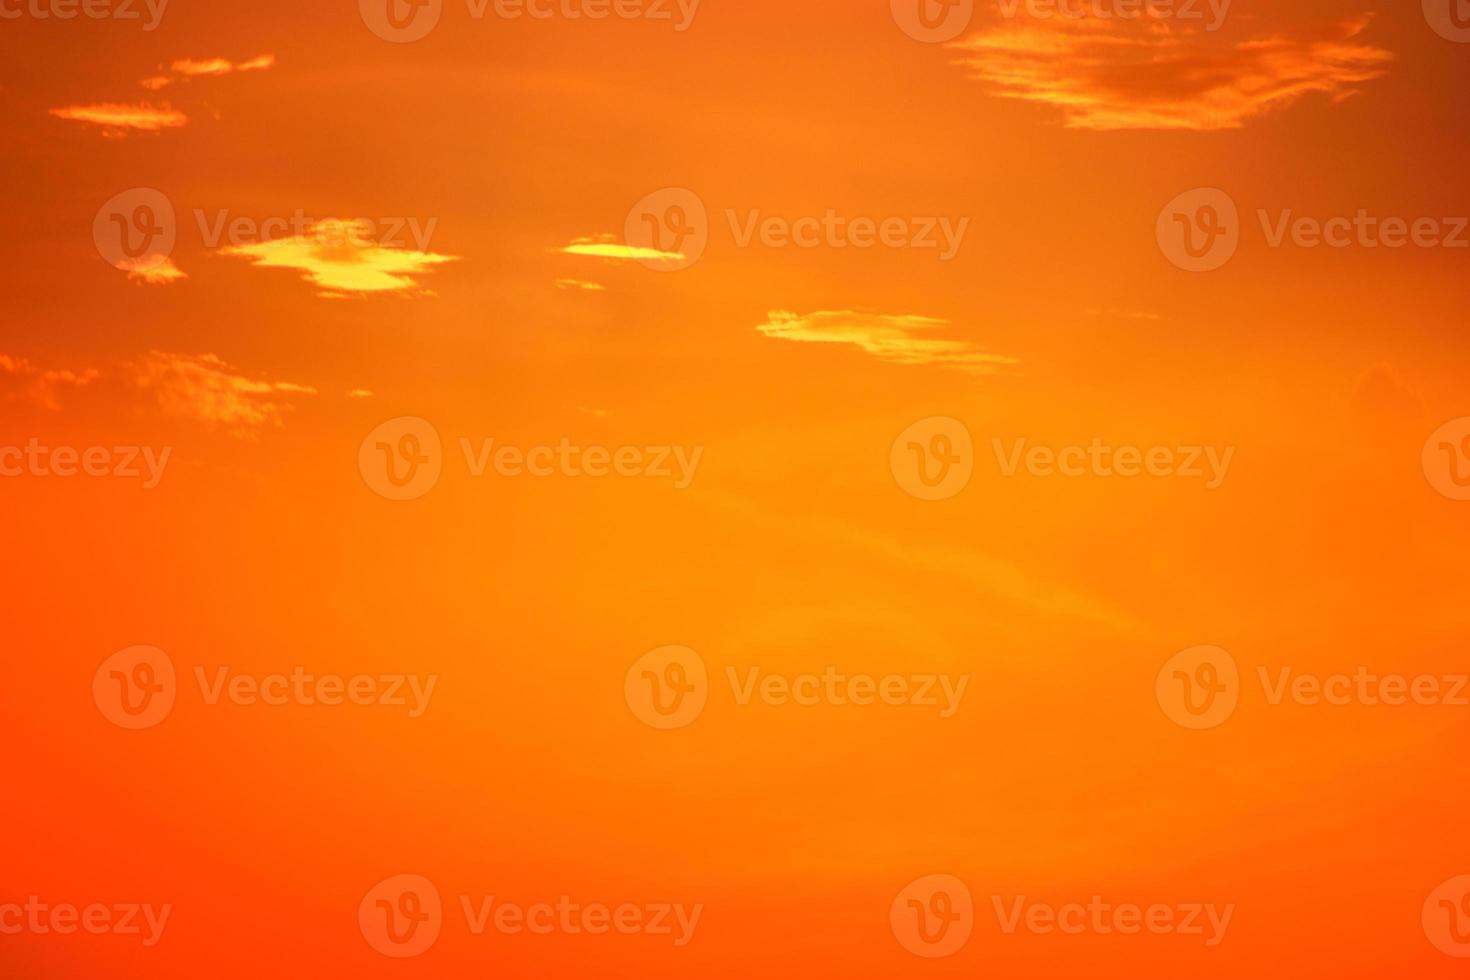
761 254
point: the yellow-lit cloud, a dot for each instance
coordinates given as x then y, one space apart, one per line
608 247
580 284
196 68
339 258
117 119
1115 74
894 339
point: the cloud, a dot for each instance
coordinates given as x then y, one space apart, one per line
153 270
1114 74
1124 314
201 387
580 284
339 257
608 247
192 68
889 338
42 388
359 393
208 390
117 120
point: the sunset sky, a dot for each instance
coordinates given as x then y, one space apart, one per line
765 258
